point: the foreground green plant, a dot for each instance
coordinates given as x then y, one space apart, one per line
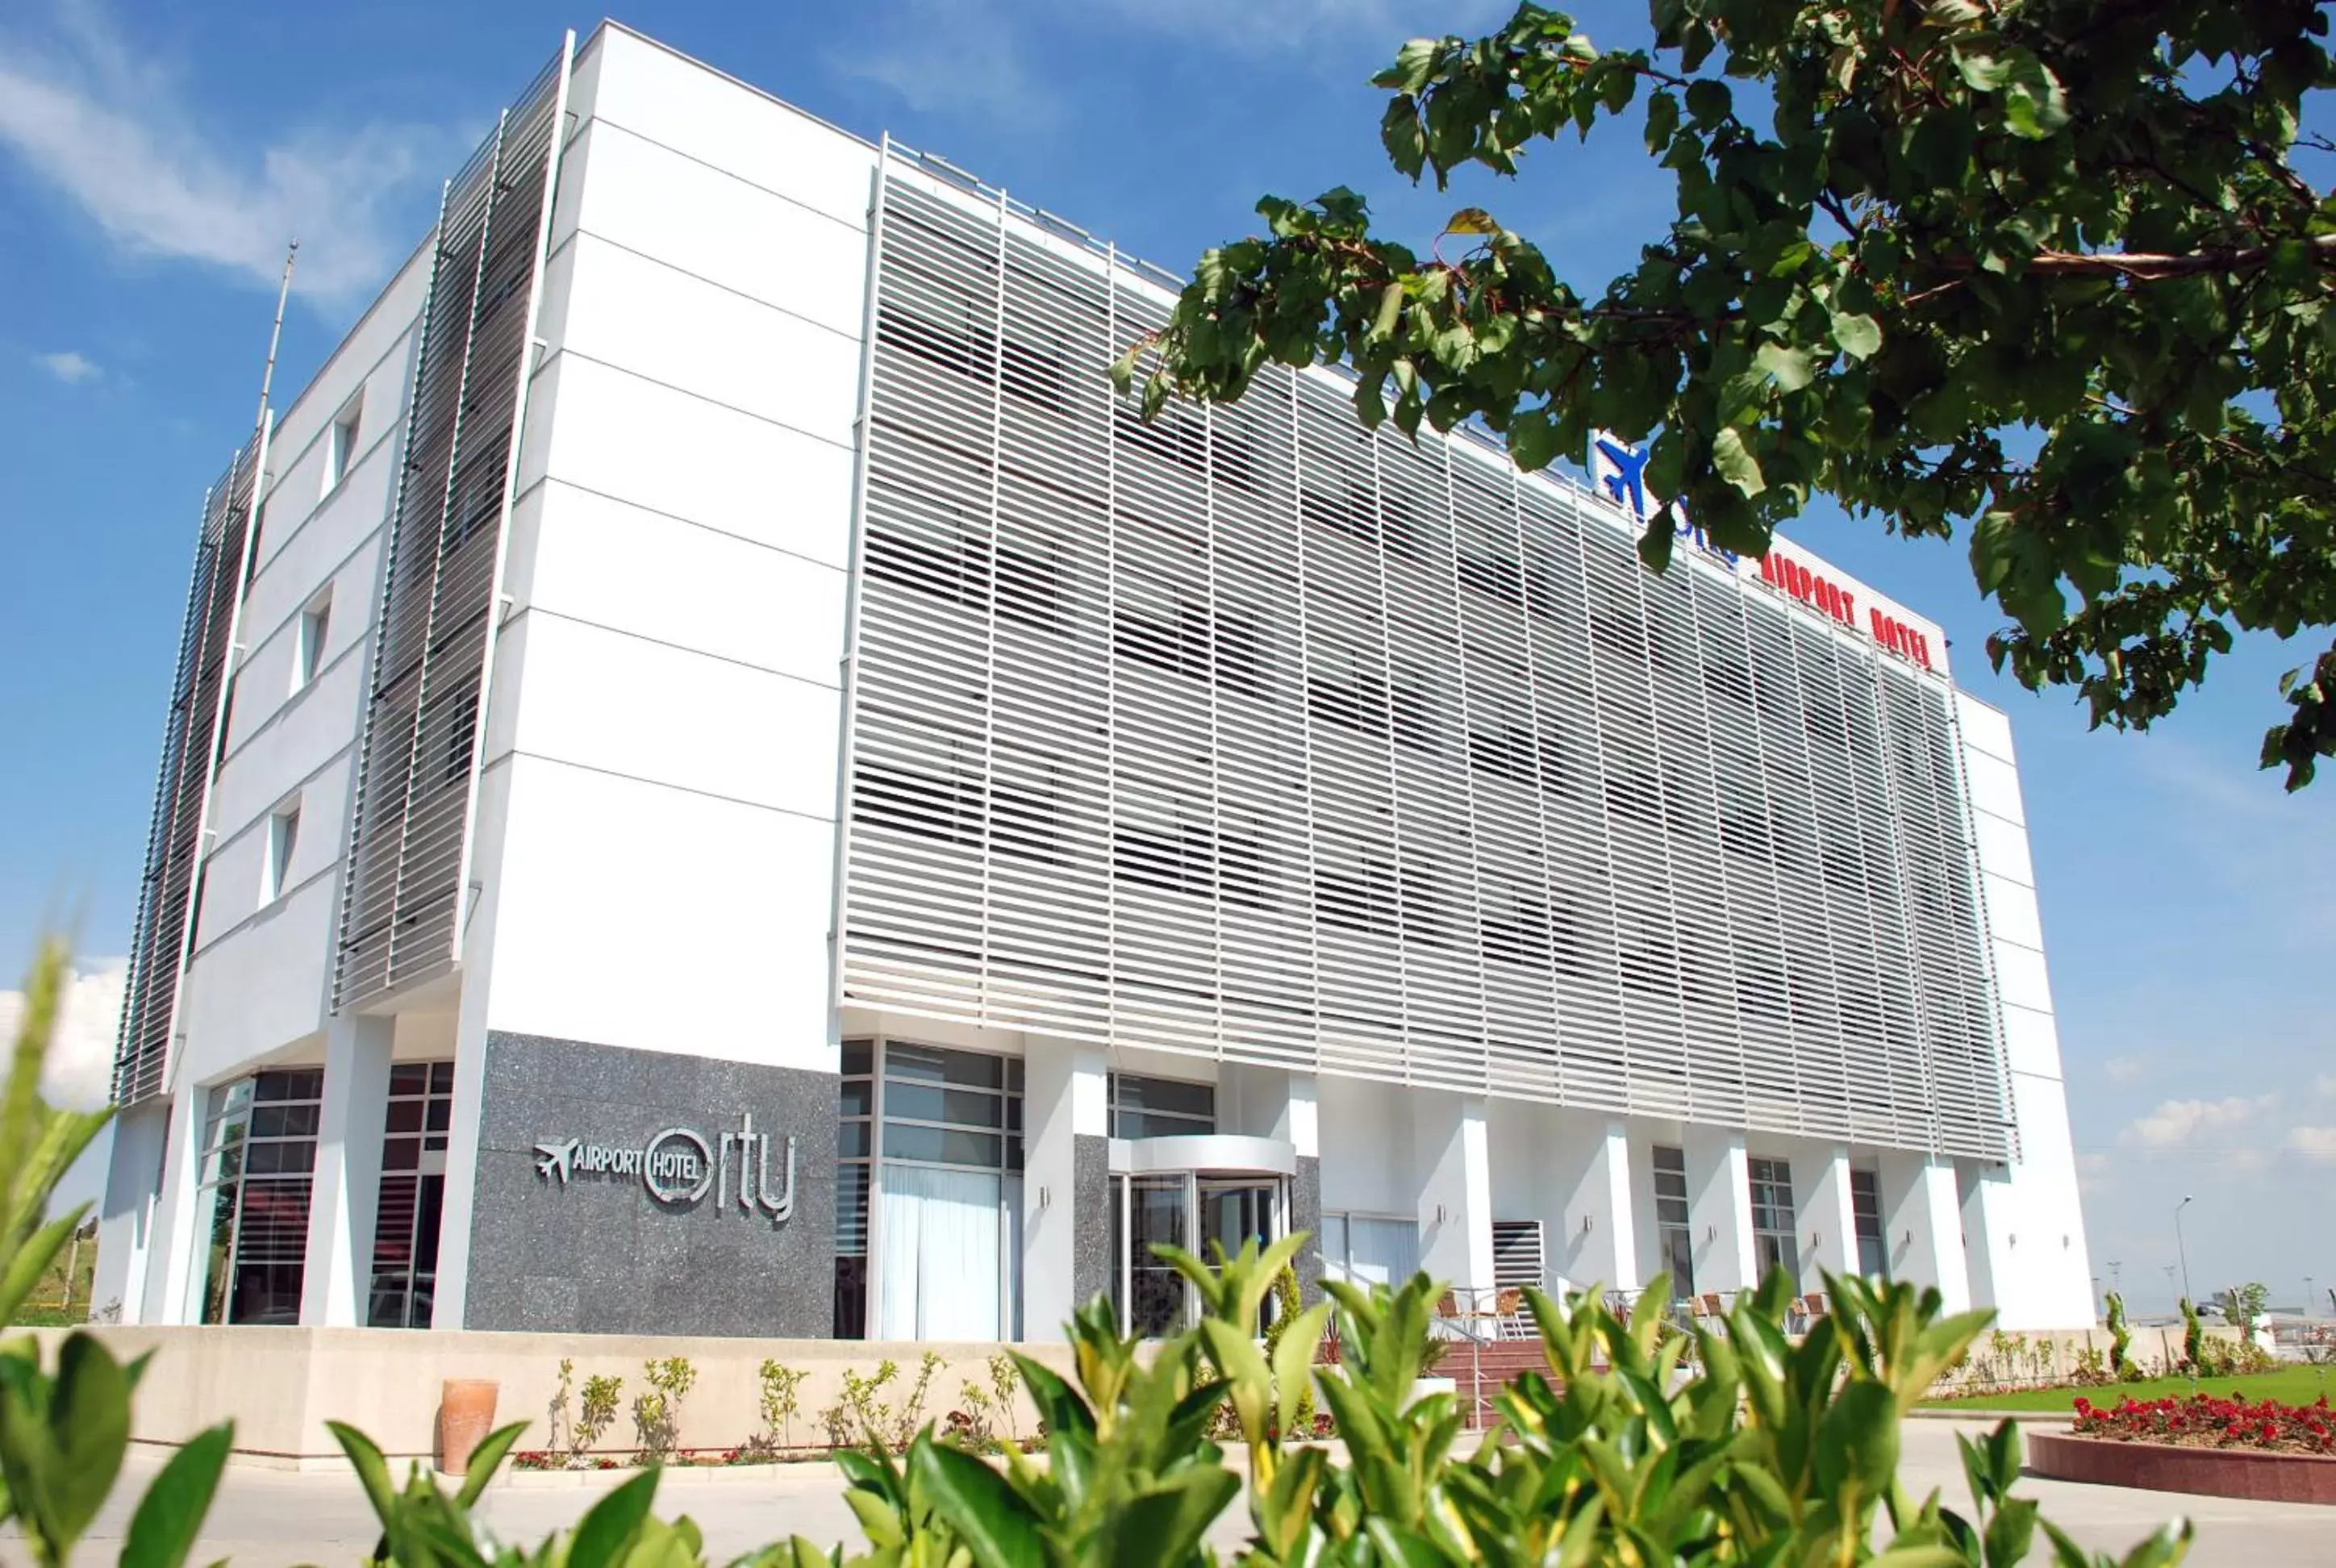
62 1433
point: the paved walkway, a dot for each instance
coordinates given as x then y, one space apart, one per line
274 1519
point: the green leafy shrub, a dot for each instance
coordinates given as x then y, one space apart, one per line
2193 1342
2120 1338
598 1411
656 1412
63 1432
781 1398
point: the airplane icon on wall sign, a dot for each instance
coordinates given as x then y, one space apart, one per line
557 1160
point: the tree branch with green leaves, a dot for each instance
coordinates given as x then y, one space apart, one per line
2043 274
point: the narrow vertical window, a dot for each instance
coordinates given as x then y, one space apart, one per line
1866 1204
1673 1242
341 443
283 838
308 644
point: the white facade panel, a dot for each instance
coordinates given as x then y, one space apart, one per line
1986 727
2031 1042
722 229
2011 911
267 987
657 577
644 710
672 976
2021 977
1994 787
2003 848
636 440
660 324
1366 1149
672 101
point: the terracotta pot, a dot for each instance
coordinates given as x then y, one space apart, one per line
466 1413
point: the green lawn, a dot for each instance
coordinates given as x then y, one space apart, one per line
2289 1385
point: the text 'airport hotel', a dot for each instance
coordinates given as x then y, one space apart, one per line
719 781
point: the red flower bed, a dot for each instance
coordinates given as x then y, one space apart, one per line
2205 1421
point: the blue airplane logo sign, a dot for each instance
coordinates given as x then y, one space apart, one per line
1620 468
1627 464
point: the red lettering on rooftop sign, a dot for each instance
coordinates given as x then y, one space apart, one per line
1785 575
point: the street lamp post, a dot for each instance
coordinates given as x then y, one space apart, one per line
2180 1251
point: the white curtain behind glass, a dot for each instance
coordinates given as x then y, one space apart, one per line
940 1246
1381 1251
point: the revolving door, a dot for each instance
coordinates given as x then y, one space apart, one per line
1187 1193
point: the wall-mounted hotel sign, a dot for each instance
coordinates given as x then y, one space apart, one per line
679 1165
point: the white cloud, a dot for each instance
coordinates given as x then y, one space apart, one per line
955 57
108 128
2175 1122
71 367
2093 1171
79 1074
2317 1144
2124 1070
2325 1084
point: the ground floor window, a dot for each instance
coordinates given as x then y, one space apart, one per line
1866 1204
1161 1107
1369 1248
1674 1242
1773 1245
258 1165
413 1194
928 1196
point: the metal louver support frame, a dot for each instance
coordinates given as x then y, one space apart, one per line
401 915
170 892
1250 734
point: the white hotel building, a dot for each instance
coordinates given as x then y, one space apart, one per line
720 781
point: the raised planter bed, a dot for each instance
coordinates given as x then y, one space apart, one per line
2251 1474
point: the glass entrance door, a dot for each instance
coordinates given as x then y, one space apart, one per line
1188 1209
1157 1211
1235 1213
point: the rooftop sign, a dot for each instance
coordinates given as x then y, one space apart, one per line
1618 472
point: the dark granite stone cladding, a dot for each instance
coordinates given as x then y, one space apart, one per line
600 1256
1091 1259
1306 1214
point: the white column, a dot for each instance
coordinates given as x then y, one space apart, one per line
335 1287
1598 1239
1451 1161
128 1210
1922 1226
1297 1119
1720 1209
1063 1097
180 1244
1826 1222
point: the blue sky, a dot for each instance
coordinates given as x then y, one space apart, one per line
153 160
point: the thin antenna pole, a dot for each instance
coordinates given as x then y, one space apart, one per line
275 334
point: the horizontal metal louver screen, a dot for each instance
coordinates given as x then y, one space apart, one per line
193 735
1517 1254
1253 734
401 902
